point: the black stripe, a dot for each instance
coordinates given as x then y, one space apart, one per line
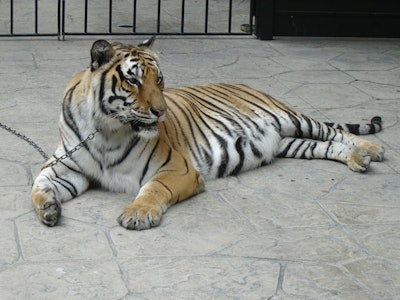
310 125
114 81
186 166
50 180
149 158
284 153
67 112
168 159
327 149
127 151
294 153
297 125
313 146
173 120
303 155
257 153
120 73
68 167
165 186
101 94
225 156
239 149
353 128
208 158
60 181
111 99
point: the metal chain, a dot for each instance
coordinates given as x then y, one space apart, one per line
41 151
69 152
26 139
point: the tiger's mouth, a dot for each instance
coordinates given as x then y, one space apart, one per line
139 126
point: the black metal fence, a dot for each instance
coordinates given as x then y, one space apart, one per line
30 18
126 17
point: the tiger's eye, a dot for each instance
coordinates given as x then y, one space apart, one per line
134 81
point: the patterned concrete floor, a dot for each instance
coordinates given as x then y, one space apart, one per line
293 230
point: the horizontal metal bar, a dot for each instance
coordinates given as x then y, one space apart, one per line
27 34
126 34
157 33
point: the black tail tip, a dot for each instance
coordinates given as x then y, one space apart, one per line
376 119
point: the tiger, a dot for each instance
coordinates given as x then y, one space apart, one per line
161 144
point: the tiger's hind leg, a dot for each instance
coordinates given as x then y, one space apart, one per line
357 159
305 127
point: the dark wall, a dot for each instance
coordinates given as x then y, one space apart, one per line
351 18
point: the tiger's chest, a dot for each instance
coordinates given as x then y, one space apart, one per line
120 165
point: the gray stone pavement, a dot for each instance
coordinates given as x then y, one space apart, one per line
293 230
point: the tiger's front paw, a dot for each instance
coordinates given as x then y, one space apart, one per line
49 212
140 216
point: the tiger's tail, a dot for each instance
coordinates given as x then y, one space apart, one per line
374 126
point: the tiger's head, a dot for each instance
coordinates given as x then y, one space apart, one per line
127 84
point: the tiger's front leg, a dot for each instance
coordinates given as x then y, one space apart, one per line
53 186
171 184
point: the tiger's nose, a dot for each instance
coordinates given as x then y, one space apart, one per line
158 112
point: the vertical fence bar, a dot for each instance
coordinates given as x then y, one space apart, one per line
63 20
206 18
158 16
110 18
183 17
134 16
86 16
230 17
36 16
58 19
11 16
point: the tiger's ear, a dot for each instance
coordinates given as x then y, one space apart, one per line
101 53
148 44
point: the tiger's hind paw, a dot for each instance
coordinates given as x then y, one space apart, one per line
49 212
359 160
375 150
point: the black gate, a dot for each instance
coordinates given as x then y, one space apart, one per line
125 17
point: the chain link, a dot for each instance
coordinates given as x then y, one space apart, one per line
41 151
70 152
